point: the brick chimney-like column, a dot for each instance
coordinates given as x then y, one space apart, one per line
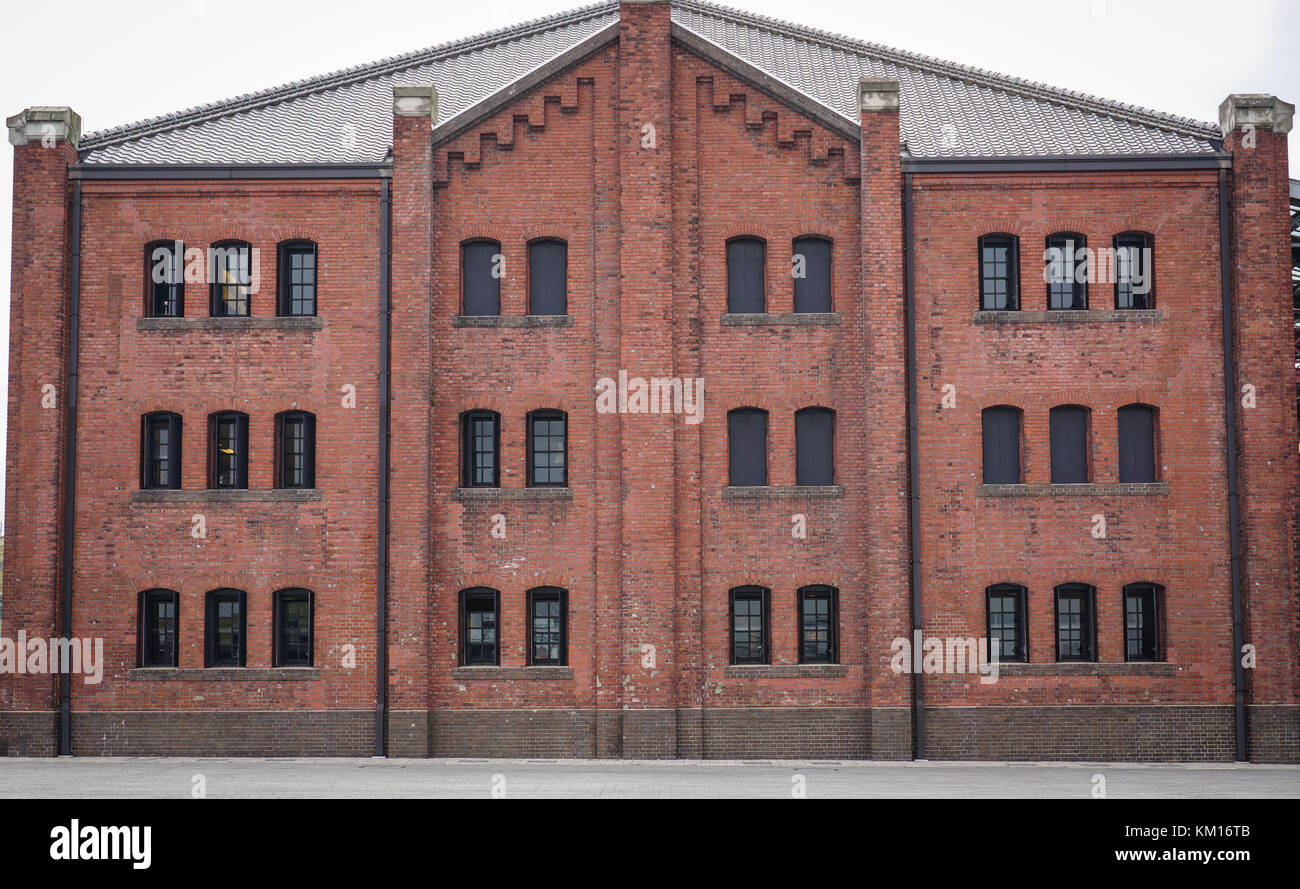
45 143
1254 130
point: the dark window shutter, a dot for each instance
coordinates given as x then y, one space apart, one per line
547 278
745 276
748 446
482 291
1137 450
174 451
812 293
309 451
1069 433
815 446
241 455
1001 446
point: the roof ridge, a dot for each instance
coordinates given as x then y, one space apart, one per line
1175 123
334 79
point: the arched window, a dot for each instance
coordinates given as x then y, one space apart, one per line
1067 286
228 454
164 272
1008 628
746 263
482 266
1135 271
1069 437
818 625
295 436
230 271
293 618
480 449
548 627
1137 443
160 450
297 262
159 614
747 446
812 274
999 256
814 429
548 447
480 612
225 634
548 260
749 625
1143 616
1001 440
1076 627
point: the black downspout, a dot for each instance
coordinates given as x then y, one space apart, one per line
1230 421
913 468
70 474
385 361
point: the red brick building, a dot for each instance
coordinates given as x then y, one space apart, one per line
637 382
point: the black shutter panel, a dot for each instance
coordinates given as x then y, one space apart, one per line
1001 446
241 450
482 291
1137 452
814 447
748 447
745 276
309 451
547 278
174 451
812 293
144 451
1069 449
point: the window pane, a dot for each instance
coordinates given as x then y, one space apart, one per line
547 441
747 630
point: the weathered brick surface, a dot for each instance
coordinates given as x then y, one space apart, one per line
644 539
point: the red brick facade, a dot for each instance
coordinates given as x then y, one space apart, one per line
647 537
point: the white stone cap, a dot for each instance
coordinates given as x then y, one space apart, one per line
878 94
45 124
1259 110
411 100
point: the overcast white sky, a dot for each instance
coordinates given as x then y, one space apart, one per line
125 60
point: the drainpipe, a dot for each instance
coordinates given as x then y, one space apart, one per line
385 362
1230 422
913 467
70 472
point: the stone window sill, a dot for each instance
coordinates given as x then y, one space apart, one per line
1133 668
780 492
539 493
498 674
225 495
258 322
785 671
1086 490
1070 316
785 319
512 321
224 674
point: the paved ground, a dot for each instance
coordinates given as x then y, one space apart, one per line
466 778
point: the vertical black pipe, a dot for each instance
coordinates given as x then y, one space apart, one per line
913 466
385 362
70 473
1230 422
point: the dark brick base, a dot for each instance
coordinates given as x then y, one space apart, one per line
512 733
787 733
234 733
1103 733
29 733
1273 733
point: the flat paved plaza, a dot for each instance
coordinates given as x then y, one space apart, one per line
78 777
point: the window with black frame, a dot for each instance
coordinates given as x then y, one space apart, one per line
480 449
158 623
547 620
746 269
160 450
1135 271
296 440
482 266
747 447
1067 286
165 279
1142 636
297 278
812 274
228 436
999 273
818 625
1076 631
293 620
225 628
230 269
547 449
479 622
749 625
1007 627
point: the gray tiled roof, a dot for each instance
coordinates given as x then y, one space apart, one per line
947 110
